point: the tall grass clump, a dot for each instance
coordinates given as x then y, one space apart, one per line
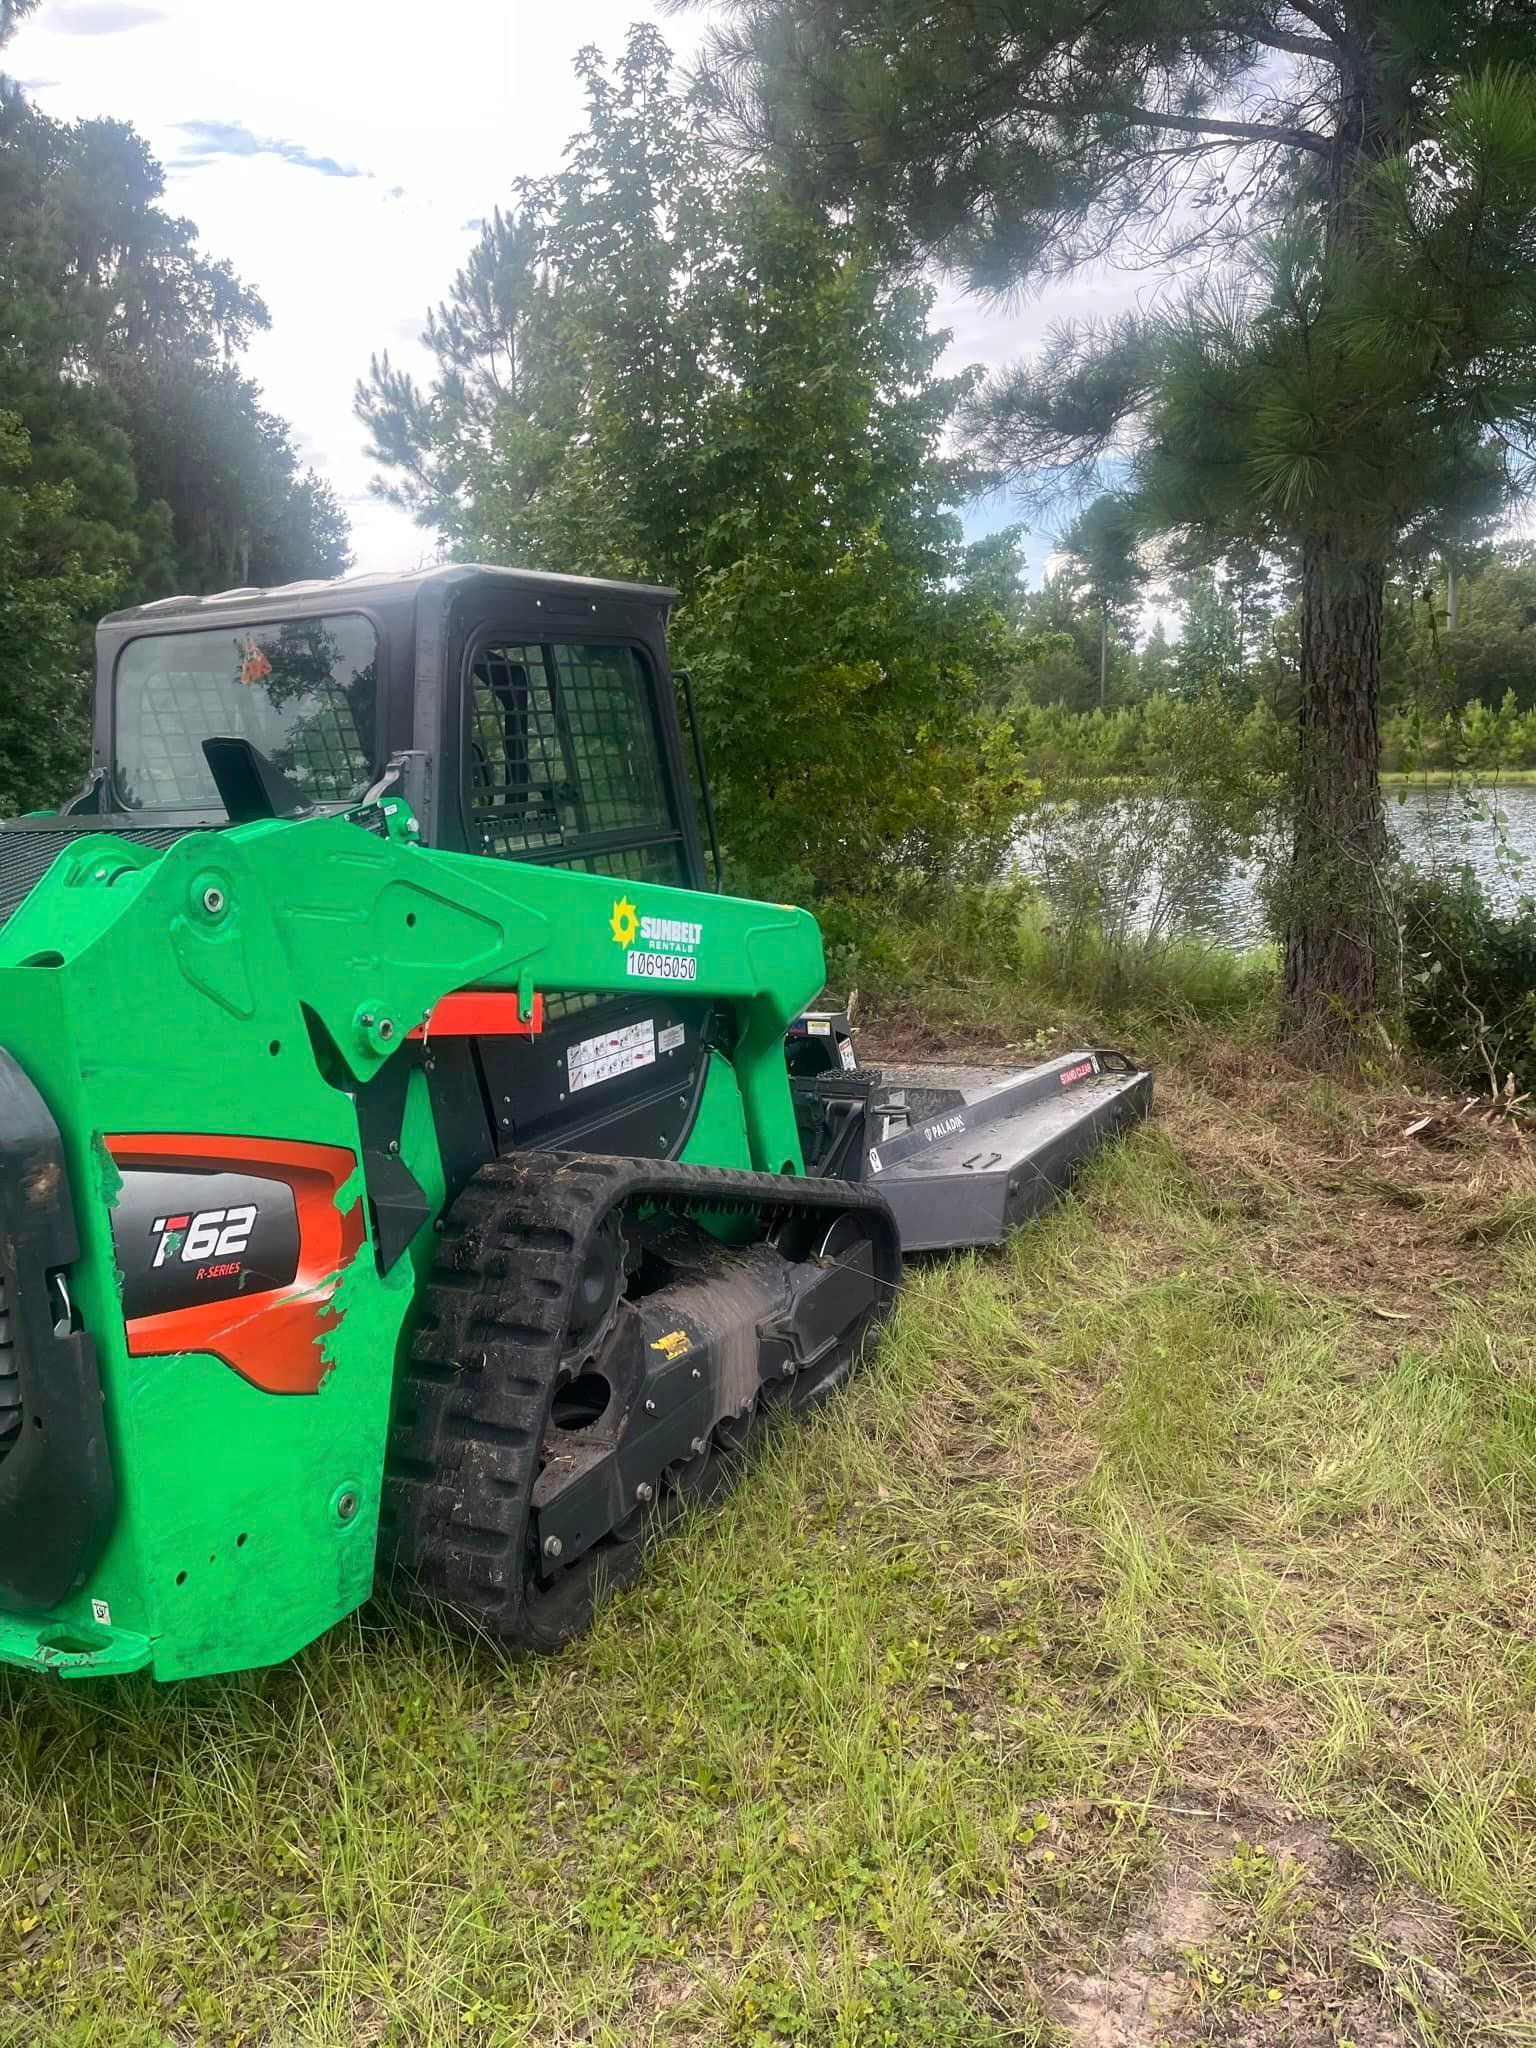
1002 956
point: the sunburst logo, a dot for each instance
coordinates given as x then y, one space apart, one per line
624 923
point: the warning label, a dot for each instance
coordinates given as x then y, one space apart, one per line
612 1054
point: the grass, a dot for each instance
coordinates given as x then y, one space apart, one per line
994 967
1140 1652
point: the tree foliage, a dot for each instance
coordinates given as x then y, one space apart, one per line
12 14
117 339
1103 547
1351 376
652 367
1432 665
46 586
146 462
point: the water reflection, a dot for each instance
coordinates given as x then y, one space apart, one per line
1493 833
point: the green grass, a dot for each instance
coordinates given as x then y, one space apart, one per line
1159 1543
994 965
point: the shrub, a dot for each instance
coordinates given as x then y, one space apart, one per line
1473 738
1001 955
1469 980
1133 862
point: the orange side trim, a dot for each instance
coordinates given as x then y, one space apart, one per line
481 1013
273 1338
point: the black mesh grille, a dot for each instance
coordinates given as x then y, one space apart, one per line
560 1004
564 754
26 856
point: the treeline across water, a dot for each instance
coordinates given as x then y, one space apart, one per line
1473 739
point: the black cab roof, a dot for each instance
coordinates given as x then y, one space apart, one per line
391 587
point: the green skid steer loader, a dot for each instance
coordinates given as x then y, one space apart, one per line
409 1170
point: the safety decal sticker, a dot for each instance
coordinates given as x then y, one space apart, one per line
610 1054
674 1344
847 1055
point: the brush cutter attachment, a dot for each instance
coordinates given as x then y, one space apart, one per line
961 1154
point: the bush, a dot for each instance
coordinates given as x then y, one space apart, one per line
915 937
1167 979
1469 980
1473 739
1000 955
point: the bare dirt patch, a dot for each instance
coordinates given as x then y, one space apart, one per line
1266 1932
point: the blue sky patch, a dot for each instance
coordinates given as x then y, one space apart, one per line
208 140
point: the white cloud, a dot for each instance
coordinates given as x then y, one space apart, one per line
340 154
100 17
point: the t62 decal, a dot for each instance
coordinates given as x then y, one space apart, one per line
208 1229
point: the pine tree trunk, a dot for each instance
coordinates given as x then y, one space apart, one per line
1103 657
1334 905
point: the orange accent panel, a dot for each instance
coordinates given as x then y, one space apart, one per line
481 1013
273 1338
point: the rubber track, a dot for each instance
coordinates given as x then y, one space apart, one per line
471 1413
10 1379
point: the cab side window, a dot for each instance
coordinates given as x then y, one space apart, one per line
565 764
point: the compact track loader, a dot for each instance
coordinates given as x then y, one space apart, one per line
407 1167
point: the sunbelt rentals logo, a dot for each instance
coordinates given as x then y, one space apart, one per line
656 948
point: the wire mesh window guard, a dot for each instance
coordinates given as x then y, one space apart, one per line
565 764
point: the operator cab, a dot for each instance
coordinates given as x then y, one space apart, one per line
533 716
524 717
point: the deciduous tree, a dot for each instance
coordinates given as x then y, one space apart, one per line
135 460
651 367
117 339
52 573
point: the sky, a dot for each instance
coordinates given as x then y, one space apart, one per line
341 154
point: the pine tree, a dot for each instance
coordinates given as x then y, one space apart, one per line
1104 545
12 14
1355 369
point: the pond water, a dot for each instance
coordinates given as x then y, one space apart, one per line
1493 833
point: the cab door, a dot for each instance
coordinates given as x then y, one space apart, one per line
569 761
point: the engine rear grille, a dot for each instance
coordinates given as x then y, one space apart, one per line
27 852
